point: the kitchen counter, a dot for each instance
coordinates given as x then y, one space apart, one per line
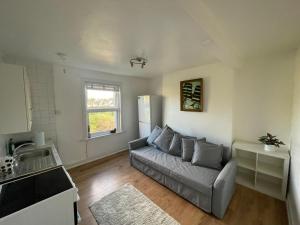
22 169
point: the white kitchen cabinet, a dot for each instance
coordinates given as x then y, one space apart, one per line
15 100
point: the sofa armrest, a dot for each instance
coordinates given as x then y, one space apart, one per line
224 188
138 143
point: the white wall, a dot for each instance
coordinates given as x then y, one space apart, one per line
294 185
156 85
69 118
263 92
215 123
242 104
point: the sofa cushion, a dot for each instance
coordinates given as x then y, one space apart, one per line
163 141
154 134
226 154
188 148
175 146
207 155
198 178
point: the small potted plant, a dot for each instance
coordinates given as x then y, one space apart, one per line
270 142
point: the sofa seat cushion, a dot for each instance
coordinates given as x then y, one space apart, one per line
155 158
198 178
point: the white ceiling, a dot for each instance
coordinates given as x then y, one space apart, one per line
104 34
259 27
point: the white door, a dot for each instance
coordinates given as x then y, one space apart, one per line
145 129
144 108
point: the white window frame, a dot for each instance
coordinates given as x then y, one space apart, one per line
118 110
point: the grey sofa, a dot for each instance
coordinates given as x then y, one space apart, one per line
208 189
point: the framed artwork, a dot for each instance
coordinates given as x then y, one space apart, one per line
191 95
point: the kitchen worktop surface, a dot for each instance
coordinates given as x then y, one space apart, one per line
19 194
29 168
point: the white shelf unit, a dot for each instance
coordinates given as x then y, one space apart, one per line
246 177
263 171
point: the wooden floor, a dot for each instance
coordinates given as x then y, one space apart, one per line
96 180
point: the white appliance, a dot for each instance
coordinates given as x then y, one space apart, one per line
150 110
56 206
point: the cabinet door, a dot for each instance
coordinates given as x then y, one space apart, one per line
13 115
28 100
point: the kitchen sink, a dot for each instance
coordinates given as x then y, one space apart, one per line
39 153
34 160
31 160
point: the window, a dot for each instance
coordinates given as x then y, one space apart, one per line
103 109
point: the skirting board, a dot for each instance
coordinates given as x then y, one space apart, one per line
292 215
86 161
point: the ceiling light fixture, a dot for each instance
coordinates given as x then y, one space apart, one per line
138 61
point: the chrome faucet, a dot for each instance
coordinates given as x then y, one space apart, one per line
22 145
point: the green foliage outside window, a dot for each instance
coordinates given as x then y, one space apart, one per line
101 121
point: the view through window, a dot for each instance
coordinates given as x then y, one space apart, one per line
103 108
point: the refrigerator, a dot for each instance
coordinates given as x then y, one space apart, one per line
150 113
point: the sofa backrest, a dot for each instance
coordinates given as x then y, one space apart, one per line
226 154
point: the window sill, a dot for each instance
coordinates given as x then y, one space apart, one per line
103 135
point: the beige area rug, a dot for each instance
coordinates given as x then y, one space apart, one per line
128 206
